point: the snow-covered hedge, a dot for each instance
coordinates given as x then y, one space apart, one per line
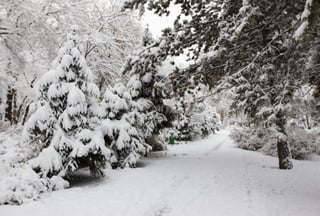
302 142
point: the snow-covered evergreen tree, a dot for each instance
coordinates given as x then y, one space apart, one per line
120 135
182 124
63 128
196 118
148 112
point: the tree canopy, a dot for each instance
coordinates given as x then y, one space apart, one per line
260 50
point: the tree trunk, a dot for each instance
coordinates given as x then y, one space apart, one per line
308 122
19 110
1 115
14 107
284 153
25 116
9 107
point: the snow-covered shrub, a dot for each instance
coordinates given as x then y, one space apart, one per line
302 142
63 128
12 149
252 139
24 184
17 183
21 185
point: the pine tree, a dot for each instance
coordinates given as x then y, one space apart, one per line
148 112
147 38
120 135
63 128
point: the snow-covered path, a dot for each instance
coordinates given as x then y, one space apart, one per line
208 178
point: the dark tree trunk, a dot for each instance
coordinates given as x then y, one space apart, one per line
19 110
1 114
25 114
284 153
9 107
155 143
308 122
14 107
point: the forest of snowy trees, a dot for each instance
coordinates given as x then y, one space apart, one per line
85 86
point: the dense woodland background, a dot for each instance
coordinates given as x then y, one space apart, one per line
90 87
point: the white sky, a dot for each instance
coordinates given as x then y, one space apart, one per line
157 23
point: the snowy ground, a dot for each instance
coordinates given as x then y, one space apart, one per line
208 178
10 149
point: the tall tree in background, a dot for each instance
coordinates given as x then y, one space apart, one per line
110 35
249 46
31 32
26 41
309 31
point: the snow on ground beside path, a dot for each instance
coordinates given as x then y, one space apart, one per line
11 151
208 177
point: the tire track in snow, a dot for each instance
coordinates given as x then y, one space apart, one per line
216 147
248 184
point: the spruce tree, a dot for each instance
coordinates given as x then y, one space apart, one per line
126 143
148 112
63 128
